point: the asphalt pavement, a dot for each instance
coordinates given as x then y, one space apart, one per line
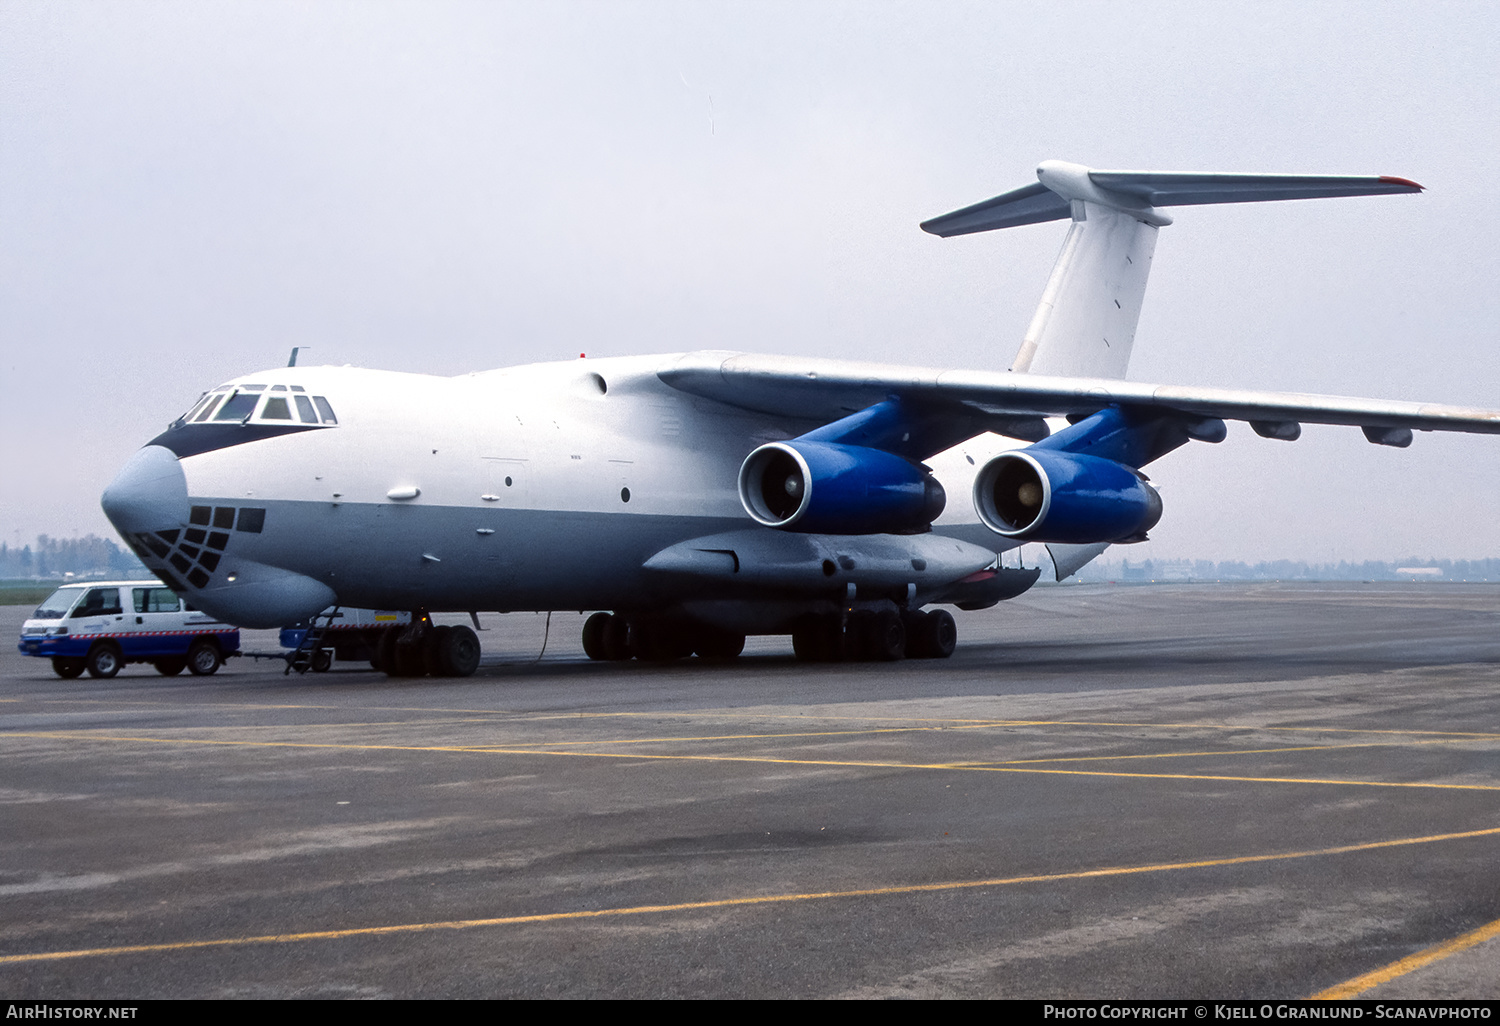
1181 791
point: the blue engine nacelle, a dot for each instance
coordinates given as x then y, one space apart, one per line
829 488
1045 496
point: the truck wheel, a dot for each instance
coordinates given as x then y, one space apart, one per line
321 661
67 667
103 660
171 667
203 657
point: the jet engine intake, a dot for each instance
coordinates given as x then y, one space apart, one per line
1046 496
830 488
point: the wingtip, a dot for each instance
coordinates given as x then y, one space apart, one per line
1416 187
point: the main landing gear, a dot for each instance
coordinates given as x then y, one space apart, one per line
613 637
862 635
881 636
424 649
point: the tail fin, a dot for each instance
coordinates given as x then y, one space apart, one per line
1085 324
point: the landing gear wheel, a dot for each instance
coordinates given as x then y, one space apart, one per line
67 667
432 650
939 634
593 636
616 638
859 631
820 639
170 667
458 652
716 644
385 652
808 639
203 658
885 637
410 658
104 661
660 641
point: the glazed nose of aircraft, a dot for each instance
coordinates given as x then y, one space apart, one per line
149 493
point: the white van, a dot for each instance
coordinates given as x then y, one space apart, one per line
100 626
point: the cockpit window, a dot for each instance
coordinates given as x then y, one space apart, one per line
239 406
208 407
284 407
197 407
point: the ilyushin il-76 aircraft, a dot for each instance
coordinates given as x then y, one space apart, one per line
697 498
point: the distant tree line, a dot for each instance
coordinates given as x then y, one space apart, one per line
89 556
1452 570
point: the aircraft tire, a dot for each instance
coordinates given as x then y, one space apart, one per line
885 637
859 637
409 660
385 653
915 622
809 638
459 652
714 643
616 638
940 634
593 636
171 666
432 651
660 641
203 658
103 661
67 667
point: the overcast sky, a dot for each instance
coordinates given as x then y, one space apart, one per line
187 190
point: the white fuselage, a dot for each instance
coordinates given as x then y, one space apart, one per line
546 486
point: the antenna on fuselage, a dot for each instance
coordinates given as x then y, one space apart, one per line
295 350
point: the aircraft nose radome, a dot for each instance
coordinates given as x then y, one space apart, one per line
148 494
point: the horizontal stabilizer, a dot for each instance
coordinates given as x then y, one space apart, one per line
1141 191
1030 204
1175 189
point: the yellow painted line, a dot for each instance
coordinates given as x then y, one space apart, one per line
766 899
1411 963
1232 751
1260 728
538 745
956 723
754 759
